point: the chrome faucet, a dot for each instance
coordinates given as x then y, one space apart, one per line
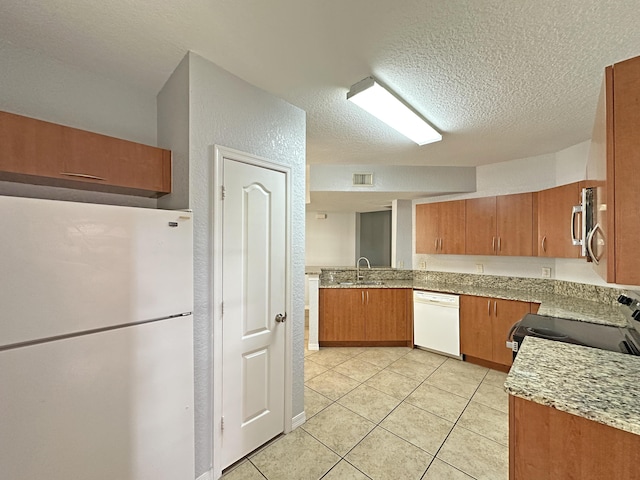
359 277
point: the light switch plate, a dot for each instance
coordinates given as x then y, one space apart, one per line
479 268
423 265
546 272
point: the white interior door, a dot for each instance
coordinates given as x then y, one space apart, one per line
253 294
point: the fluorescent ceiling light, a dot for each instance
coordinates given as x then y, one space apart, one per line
384 105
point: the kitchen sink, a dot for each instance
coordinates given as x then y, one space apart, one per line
362 282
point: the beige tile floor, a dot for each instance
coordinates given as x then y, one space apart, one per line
390 413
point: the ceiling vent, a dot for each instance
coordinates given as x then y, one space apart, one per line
363 179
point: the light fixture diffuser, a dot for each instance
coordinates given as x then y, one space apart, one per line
384 105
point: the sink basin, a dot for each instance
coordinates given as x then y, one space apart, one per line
346 283
371 282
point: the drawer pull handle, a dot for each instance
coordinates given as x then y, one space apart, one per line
82 175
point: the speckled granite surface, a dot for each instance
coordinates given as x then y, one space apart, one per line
386 284
562 299
551 304
591 383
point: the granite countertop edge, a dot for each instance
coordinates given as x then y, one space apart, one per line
587 382
385 284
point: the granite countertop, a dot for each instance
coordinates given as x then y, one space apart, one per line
551 304
588 382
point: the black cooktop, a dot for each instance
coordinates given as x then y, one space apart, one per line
606 337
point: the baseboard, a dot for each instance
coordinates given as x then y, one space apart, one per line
313 346
487 364
206 476
297 421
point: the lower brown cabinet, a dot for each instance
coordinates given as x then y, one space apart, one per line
484 325
365 316
548 444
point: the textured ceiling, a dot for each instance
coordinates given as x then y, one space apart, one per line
500 79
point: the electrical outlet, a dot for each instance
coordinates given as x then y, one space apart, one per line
479 268
546 272
401 264
423 265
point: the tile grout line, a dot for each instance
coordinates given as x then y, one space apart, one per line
454 426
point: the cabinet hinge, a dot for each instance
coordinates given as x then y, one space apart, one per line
223 192
221 308
222 423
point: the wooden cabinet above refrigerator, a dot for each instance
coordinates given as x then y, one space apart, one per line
44 153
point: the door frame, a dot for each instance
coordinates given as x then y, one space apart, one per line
220 153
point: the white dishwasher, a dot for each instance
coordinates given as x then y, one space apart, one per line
436 322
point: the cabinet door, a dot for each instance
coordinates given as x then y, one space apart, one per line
452 227
29 146
387 312
90 157
105 160
554 228
626 150
33 151
549 444
141 166
341 314
427 220
504 314
481 226
515 224
476 335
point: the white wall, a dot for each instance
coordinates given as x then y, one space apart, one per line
393 178
330 241
173 133
517 176
227 111
37 86
401 234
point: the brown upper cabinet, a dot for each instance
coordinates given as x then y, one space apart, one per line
440 227
614 159
500 225
554 221
38 152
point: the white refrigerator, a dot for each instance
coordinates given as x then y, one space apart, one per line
96 342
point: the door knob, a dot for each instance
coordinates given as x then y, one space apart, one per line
281 318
